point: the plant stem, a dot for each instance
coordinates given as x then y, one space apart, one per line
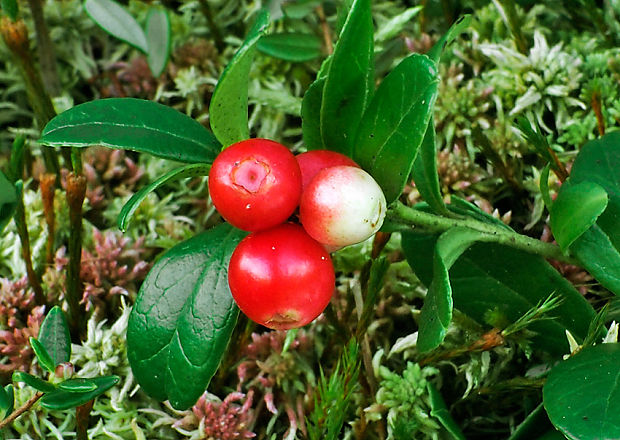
22 232
19 411
595 101
15 35
82 414
213 27
47 185
434 224
327 38
76 190
45 49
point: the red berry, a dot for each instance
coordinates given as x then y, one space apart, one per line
255 184
311 162
341 206
281 278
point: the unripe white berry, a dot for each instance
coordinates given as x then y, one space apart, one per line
341 206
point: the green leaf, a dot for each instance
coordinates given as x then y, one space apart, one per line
158 40
535 424
228 110
8 200
183 318
395 122
132 204
436 312
45 360
597 253
598 162
575 210
7 401
311 115
350 81
35 382
425 172
133 124
582 394
116 21
78 385
291 46
54 336
395 25
455 30
62 399
491 277
300 8
440 411
16 163
10 8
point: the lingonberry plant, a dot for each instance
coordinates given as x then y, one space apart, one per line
371 166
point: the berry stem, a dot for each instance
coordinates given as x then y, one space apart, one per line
411 218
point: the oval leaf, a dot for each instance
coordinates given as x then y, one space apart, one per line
54 336
436 312
33 381
133 124
8 200
575 210
491 277
116 21
228 110
311 115
440 411
395 123
63 399
581 394
598 250
43 356
78 385
8 401
183 318
158 40
291 46
132 204
350 80
425 172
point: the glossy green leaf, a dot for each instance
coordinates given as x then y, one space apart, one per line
62 399
133 124
455 30
576 208
116 21
228 110
8 200
291 46
350 80
33 381
7 400
44 358
440 411
582 394
425 172
436 312
311 115
491 277
78 385
132 204
158 40
395 123
597 253
183 318
599 162
535 424
10 8
54 336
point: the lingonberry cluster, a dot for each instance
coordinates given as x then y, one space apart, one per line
281 275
